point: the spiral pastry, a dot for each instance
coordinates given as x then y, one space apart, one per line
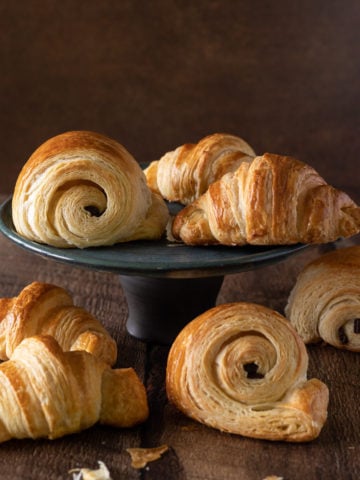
185 173
241 368
84 189
324 303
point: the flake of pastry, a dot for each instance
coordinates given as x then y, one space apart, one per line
140 457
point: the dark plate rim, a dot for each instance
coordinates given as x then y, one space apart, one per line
154 258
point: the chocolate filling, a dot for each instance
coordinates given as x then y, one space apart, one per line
357 325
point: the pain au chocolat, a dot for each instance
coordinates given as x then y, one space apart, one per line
324 304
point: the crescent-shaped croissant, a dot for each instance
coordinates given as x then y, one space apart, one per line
241 368
84 189
273 200
42 308
48 393
185 173
324 303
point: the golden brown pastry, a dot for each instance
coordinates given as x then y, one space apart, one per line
184 174
45 392
271 201
101 473
324 303
42 308
84 189
241 368
140 457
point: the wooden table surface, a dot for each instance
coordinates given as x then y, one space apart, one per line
195 451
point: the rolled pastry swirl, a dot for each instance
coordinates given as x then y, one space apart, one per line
48 393
271 201
42 308
84 189
185 173
241 368
324 303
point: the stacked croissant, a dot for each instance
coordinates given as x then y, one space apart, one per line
241 367
85 189
57 377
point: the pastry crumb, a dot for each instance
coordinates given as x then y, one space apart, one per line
140 457
102 473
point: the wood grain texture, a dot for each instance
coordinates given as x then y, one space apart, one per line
195 451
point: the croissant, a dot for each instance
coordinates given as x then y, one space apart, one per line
48 393
42 308
324 303
241 368
84 189
271 201
184 174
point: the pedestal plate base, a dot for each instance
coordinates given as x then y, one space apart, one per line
160 307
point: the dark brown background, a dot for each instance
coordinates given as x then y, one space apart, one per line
282 74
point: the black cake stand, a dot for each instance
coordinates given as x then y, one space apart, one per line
166 284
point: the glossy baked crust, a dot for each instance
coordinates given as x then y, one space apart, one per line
45 392
324 304
84 189
241 368
274 200
42 308
185 173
